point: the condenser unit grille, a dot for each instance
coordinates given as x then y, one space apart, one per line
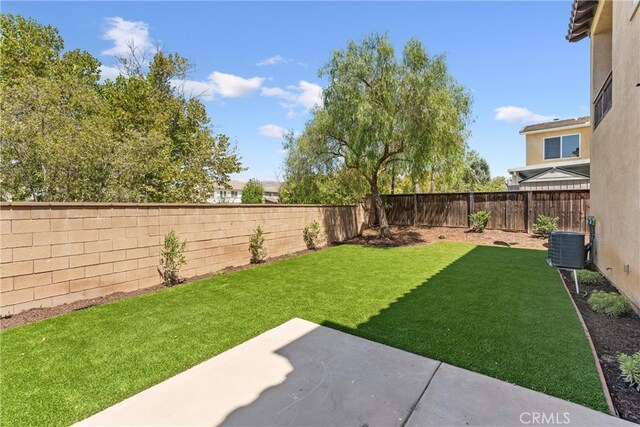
566 249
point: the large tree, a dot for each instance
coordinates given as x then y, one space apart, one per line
66 136
379 110
309 178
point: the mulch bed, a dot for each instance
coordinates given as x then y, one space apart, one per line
407 236
611 336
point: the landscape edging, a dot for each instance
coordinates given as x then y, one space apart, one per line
605 388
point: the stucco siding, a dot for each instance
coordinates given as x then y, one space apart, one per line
615 159
535 145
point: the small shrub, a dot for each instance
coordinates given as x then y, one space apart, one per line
609 303
312 235
588 277
479 220
172 258
256 246
544 225
442 237
630 368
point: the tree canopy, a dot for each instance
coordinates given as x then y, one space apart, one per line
253 192
68 136
380 112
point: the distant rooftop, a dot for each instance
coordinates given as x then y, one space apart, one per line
555 124
269 186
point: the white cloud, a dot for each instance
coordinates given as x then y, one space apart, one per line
511 114
297 98
273 131
123 33
273 60
109 73
311 94
221 84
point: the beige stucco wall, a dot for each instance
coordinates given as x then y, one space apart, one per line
535 145
58 253
615 157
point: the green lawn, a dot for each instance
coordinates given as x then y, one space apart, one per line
499 311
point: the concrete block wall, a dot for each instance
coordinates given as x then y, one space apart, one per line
57 253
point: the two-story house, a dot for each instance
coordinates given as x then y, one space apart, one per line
614 30
557 156
234 193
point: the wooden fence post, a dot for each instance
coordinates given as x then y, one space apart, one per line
415 209
528 212
469 209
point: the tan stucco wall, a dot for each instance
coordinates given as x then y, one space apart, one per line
53 254
535 145
615 158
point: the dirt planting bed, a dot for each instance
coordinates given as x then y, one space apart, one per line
611 336
403 236
35 314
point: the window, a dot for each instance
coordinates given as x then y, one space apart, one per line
234 194
562 147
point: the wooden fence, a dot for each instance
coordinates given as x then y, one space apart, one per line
510 210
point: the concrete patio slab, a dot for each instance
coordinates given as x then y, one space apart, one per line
300 373
457 397
296 374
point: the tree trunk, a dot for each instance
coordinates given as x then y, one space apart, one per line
433 182
382 216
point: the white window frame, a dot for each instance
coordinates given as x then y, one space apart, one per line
544 145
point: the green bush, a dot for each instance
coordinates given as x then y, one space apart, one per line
609 303
172 258
630 368
252 192
312 235
479 220
588 277
256 246
545 225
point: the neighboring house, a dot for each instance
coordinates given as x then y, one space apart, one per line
557 156
614 29
234 194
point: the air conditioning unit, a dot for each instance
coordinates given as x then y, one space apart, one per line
566 249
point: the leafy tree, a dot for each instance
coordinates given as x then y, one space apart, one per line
253 192
497 183
308 179
67 137
53 131
476 170
378 110
471 174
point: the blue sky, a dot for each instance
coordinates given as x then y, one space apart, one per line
256 63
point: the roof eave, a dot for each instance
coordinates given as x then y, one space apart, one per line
582 12
553 129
